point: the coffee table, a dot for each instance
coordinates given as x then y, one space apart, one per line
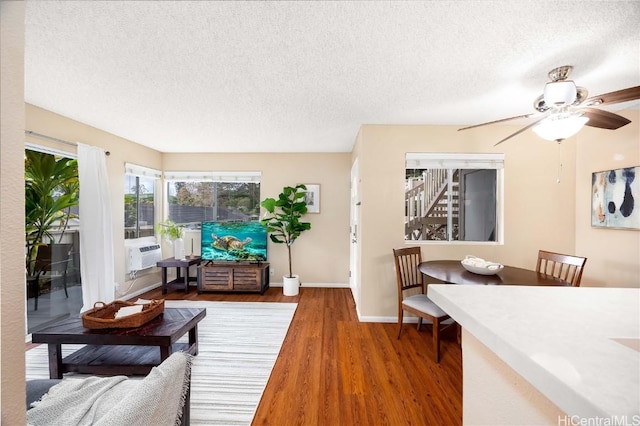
120 351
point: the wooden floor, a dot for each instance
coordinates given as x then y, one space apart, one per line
334 370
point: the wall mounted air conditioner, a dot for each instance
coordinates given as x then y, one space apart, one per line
143 257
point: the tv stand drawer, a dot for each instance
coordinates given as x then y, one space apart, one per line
241 277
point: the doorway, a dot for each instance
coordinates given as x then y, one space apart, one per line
354 259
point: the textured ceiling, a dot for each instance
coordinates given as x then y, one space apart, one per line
182 76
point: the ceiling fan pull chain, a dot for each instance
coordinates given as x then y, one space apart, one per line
559 160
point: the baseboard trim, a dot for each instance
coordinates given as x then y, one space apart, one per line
315 285
141 291
405 320
308 285
409 320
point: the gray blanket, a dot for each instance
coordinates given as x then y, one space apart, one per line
157 399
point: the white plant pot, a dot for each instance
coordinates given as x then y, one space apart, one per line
178 248
290 285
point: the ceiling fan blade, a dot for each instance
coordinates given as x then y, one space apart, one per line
624 95
497 121
521 130
604 119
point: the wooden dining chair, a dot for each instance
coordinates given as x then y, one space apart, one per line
410 278
565 267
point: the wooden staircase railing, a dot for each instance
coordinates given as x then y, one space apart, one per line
426 204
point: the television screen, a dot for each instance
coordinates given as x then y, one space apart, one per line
234 241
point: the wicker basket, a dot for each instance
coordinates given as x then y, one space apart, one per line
104 316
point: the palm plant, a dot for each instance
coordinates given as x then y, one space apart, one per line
51 190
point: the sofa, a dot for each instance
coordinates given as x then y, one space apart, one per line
161 398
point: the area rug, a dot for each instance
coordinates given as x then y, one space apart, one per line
238 344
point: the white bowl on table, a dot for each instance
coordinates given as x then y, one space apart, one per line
480 266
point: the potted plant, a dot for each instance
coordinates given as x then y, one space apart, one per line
173 232
282 220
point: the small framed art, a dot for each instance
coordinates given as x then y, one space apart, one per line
312 197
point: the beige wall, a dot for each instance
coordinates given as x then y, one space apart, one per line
494 394
539 212
12 274
320 255
613 255
121 151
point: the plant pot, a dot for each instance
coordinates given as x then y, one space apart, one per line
178 248
290 285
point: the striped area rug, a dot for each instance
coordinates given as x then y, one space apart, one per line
238 346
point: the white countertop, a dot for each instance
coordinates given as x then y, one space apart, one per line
574 344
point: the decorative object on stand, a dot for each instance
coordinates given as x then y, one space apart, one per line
173 232
312 198
480 266
283 221
115 315
563 109
614 198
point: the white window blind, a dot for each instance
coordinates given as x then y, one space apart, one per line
213 176
51 151
134 169
439 160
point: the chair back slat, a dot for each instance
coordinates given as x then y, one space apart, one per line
565 267
407 273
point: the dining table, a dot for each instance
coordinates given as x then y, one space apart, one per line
452 272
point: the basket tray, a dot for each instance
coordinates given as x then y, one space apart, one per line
104 316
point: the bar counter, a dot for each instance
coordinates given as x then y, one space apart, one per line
579 347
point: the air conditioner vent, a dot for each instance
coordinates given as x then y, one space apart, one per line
143 257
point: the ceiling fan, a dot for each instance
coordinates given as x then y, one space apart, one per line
564 108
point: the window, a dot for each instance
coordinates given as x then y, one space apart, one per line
453 197
139 201
195 197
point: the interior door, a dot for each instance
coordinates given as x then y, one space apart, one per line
354 281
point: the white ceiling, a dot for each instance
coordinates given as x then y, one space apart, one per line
199 76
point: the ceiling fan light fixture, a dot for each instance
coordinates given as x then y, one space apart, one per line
560 93
558 127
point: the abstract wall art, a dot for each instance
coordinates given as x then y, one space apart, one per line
615 195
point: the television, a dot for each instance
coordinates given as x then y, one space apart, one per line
233 241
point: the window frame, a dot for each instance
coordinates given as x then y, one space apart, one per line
458 160
148 173
170 177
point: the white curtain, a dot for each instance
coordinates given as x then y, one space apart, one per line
96 236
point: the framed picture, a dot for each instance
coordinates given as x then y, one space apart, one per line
312 198
615 195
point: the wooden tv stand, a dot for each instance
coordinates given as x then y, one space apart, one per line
233 276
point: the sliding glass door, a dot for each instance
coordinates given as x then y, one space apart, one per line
52 250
